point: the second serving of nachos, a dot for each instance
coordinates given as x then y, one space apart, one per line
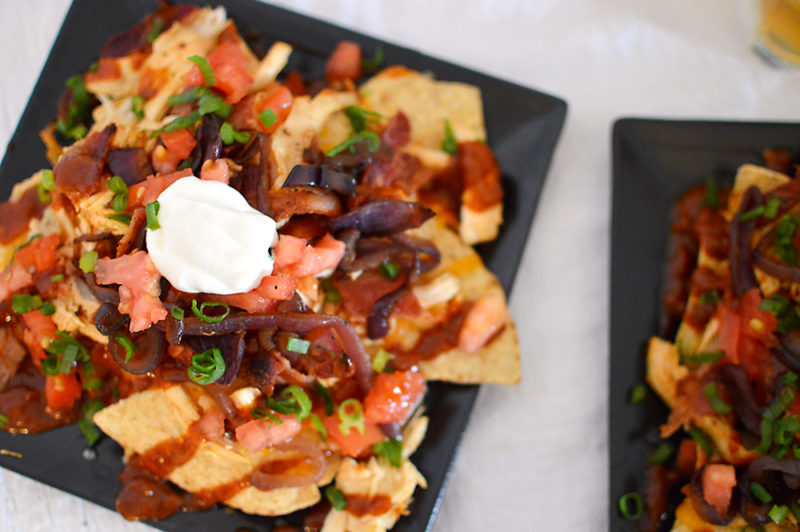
246 282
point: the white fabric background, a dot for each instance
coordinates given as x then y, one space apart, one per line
534 456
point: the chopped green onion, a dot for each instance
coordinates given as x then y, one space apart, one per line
449 142
93 384
268 117
390 449
327 400
766 437
661 454
716 402
137 106
637 394
200 311
389 269
3 421
784 233
151 211
776 304
230 135
211 102
760 493
332 295
86 423
630 506
296 345
182 122
711 199
335 497
120 201
360 118
752 214
186 163
771 208
702 440
94 66
785 430
21 246
778 513
707 357
317 422
264 415
779 405
50 365
710 296
177 313
127 344
122 218
293 401
779 452
372 140
381 358
46 185
73 127
57 277
24 303
68 358
156 29
185 97
375 62
87 261
207 367
790 380
205 69
351 415
48 309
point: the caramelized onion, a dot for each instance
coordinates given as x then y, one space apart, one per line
109 320
378 320
740 256
323 177
150 348
131 164
788 350
744 404
701 506
312 469
303 199
790 467
771 267
209 142
383 217
225 403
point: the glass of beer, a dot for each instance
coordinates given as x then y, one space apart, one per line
778 38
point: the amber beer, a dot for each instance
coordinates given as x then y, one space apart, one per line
778 38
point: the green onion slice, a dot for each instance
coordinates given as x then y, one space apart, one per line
265 415
390 449
127 344
268 117
375 62
177 313
771 207
151 211
380 359
351 415
716 402
156 29
335 497
779 405
296 345
711 199
205 69
637 394
449 142
46 185
86 423
778 513
207 367
661 454
760 493
87 261
389 269
327 400
317 422
3 421
200 311
137 106
630 506
702 440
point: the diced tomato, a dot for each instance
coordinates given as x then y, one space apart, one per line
216 170
718 482
745 336
211 426
148 190
295 83
151 81
246 113
289 250
686 458
359 295
394 396
194 78
14 277
486 317
139 289
264 297
757 323
258 434
729 326
316 259
40 254
344 62
38 329
325 338
61 391
230 68
163 160
180 142
353 443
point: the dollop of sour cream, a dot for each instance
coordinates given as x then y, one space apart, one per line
210 239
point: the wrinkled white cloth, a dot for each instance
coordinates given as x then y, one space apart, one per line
534 456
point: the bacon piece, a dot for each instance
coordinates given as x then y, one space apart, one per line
14 277
136 38
15 215
131 164
398 132
481 176
258 434
139 287
360 295
78 172
304 199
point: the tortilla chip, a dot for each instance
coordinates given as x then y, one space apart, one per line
496 362
687 520
427 103
752 175
148 418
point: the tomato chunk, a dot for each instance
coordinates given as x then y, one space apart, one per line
718 482
258 434
353 443
40 254
394 396
344 62
264 297
180 142
61 391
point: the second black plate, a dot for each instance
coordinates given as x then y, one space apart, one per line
655 162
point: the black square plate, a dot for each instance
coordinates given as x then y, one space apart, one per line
523 127
655 162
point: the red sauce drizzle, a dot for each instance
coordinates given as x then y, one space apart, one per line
163 458
361 505
144 496
434 341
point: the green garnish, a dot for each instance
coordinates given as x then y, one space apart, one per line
661 454
784 233
335 497
327 400
182 122
389 269
332 295
185 97
48 308
264 415
94 66
207 367
46 185
390 449
156 29
63 351
87 261
294 401
449 142
372 140
73 127
200 311
716 402
93 384
122 218
637 394
118 186
375 62
776 304
24 303
296 345
711 199
3 421
151 211
360 118
630 506
702 440
381 358
205 69
779 405
710 296
230 135
778 513
771 208
766 437
267 117
137 106
760 493
317 422
127 344
211 102
351 415
706 357
86 423
57 277
752 214
177 313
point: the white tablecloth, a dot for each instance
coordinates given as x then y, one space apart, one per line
534 456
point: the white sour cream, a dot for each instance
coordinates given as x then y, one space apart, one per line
210 239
